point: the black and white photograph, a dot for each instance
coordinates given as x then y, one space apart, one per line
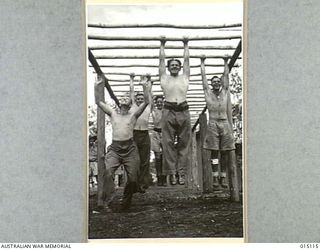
165 121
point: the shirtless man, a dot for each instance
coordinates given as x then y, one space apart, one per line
219 134
156 138
122 149
175 116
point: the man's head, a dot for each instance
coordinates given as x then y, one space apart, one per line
159 102
124 102
174 66
139 98
216 83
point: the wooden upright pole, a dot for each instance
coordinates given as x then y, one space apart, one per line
233 176
101 148
206 166
194 169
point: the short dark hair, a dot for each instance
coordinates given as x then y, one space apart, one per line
139 93
214 77
158 97
172 60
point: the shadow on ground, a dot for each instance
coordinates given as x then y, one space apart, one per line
168 212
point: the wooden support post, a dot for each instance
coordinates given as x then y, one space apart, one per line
199 144
233 176
101 149
194 181
206 166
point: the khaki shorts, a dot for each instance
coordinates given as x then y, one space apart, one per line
219 136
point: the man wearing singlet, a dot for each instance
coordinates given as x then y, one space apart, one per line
219 134
141 135
156 138
175 116
122 149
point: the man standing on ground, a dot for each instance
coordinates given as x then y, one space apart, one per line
141 134
93 161
175 116
219 134
156 140
122 149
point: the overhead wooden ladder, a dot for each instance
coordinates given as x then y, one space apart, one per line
141 58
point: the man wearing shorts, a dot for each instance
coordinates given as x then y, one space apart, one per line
219 134
122 149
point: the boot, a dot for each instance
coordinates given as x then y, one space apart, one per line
181 179
215 182
173 179
127 196
223 181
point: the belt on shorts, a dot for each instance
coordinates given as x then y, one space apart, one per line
122 143
176 107
157 130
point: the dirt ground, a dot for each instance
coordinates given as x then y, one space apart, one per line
168 212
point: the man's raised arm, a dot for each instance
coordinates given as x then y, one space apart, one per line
146 92
205 85
225 82
162 57
131 95
186 58
150 97
225 77
98 93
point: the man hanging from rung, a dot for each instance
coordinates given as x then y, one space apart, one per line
176 116
219 134
123 150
